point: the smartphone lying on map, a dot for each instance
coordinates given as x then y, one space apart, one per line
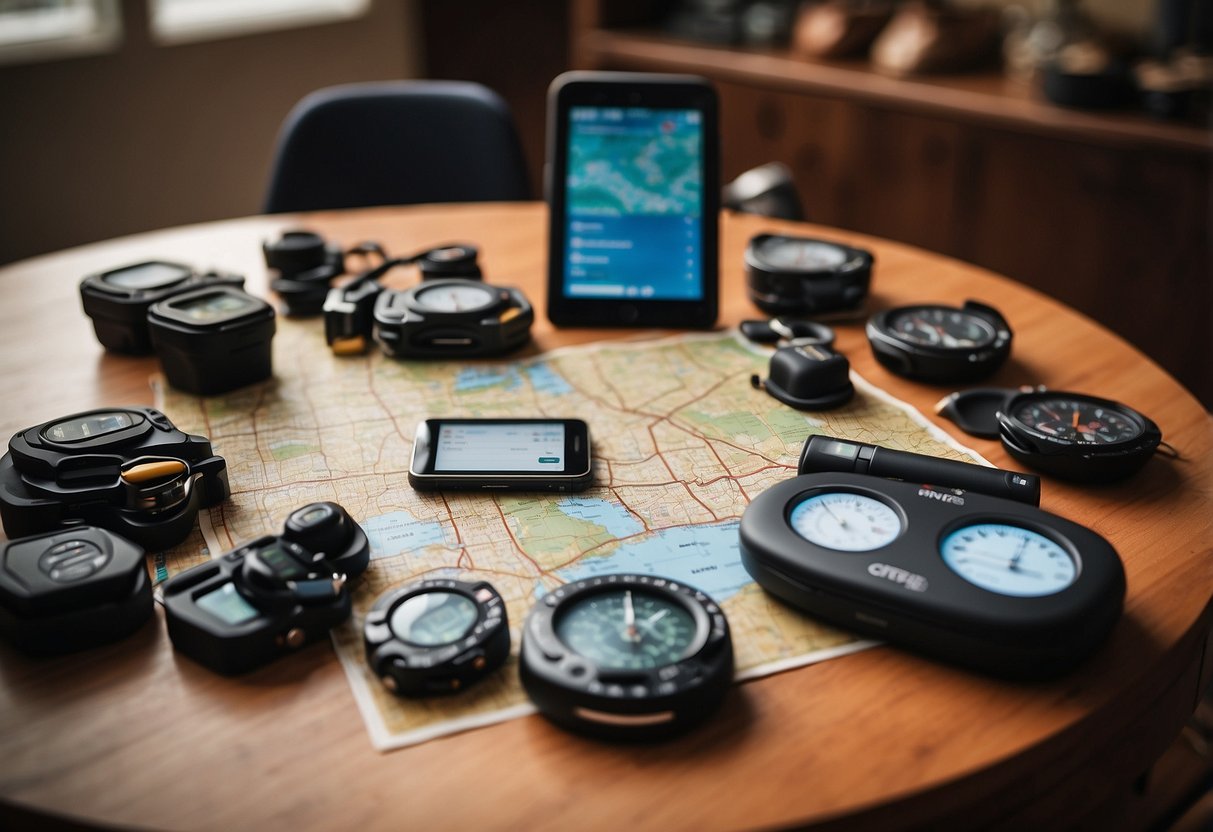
501 454
633 190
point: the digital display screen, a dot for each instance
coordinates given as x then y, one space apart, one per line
505 446
634 204
212 307
434 618
90 427
226 604
146 276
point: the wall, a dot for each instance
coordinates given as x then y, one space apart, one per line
153 136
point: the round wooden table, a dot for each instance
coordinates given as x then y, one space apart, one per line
131 735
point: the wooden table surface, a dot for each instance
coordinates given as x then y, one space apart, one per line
130 734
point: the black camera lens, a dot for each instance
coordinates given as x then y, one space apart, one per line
298 251
70 590
213 340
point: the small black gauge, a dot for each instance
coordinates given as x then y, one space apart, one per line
1075 436
940 343
626 656
805 276
436 636
452 317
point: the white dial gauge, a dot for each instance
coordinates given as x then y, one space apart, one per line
1009 560
845 521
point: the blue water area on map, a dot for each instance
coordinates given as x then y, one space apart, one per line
477 378
546 380
617 520
707 558
399 531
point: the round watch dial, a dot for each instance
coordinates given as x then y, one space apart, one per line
1075 420
937 326
791 254
1009 560
434 618
845 521
622 629
455 297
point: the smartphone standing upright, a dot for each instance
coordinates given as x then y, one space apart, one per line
501 454
633 188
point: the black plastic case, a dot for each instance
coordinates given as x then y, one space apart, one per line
932 609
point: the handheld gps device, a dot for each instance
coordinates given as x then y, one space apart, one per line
125 469
117 300
213 340
986 582
70 590
269 597
633 189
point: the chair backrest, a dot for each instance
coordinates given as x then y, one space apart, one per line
397 142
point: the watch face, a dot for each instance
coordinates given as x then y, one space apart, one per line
434 618
624 629
798 254
1071 419
454 297
940 326
1009 560
845 522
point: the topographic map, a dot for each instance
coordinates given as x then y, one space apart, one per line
682 443
647 163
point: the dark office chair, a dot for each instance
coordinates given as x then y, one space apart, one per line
397 142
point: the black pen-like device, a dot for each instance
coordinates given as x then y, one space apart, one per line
827 453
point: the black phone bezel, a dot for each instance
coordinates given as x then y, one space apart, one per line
576 475
631 89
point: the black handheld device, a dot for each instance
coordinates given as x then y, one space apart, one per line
213 340
633 188
982 581
72 589
826 453
128 469
269 597
940 344
117 300
501 454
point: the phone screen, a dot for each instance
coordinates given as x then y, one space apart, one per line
634 199
500 447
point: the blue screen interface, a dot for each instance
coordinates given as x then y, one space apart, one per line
634 198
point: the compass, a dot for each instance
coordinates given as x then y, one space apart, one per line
1075 436
452 317
436 636
788 275
626 656
940 343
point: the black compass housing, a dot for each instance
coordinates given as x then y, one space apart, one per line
408 327
928 358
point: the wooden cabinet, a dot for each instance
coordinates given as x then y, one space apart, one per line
1107 212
